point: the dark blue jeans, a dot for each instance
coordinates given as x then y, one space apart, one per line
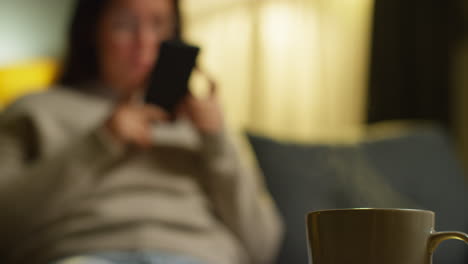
129 258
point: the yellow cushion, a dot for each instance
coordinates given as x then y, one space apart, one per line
25 77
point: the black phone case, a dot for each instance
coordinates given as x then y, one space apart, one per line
168 83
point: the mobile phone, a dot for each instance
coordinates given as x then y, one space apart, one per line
168 82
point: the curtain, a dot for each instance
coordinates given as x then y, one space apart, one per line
414 45
288 69
461 83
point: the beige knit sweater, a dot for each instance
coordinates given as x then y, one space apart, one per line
66 188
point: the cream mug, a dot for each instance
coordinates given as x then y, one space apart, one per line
374 236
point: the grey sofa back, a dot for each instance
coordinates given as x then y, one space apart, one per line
416 170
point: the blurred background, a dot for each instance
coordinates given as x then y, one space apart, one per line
315 82
302 70
292 69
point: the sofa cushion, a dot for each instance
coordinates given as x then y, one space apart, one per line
300 181
423 165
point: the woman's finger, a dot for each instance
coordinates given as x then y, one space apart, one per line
154 113
213 88
181 109
142 137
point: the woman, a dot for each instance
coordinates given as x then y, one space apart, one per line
90 174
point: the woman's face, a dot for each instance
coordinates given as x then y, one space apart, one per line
129 35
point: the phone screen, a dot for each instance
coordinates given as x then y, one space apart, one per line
168 83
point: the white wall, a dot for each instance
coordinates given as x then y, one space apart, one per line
32 28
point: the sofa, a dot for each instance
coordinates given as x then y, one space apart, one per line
413 168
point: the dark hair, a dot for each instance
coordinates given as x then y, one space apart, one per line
81 60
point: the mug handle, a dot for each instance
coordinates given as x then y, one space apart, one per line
436 238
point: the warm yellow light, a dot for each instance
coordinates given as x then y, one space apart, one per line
292 69
26 77
290 55
278 25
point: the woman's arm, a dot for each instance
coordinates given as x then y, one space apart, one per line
238 193
35 190
240 198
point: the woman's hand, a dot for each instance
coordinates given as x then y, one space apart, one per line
130 122
205 113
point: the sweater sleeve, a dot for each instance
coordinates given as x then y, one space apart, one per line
34 189
241 199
